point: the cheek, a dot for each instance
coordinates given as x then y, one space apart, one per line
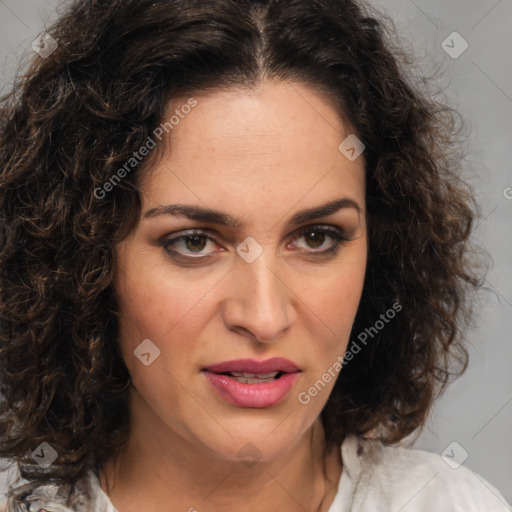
336 294
337 306
168 308
339 300
335 299
151 299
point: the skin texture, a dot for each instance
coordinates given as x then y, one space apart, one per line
261 156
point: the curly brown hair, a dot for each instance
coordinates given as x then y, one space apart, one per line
77 116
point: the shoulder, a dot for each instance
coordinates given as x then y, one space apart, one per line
40 496
406 479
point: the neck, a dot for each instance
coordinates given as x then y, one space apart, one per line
149 472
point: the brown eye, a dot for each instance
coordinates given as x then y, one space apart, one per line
316 236
195 242
188 244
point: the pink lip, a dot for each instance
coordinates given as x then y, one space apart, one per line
252 395
255 395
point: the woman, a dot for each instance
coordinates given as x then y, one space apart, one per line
235 268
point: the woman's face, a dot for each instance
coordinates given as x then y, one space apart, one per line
263 277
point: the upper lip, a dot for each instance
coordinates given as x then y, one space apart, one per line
253 366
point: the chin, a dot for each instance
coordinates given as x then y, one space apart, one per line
254 441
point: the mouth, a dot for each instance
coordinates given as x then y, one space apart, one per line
253 378
251 383
254 367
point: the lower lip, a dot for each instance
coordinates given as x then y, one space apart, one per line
259 396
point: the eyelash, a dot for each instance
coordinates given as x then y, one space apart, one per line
335 233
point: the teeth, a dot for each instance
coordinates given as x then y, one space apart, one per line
246 380
255 376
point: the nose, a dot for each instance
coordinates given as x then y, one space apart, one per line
260 303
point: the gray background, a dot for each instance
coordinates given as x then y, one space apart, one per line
476 411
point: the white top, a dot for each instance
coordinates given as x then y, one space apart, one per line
375 478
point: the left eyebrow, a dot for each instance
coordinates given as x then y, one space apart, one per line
202 214
324 210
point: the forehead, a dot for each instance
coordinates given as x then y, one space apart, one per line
241 147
